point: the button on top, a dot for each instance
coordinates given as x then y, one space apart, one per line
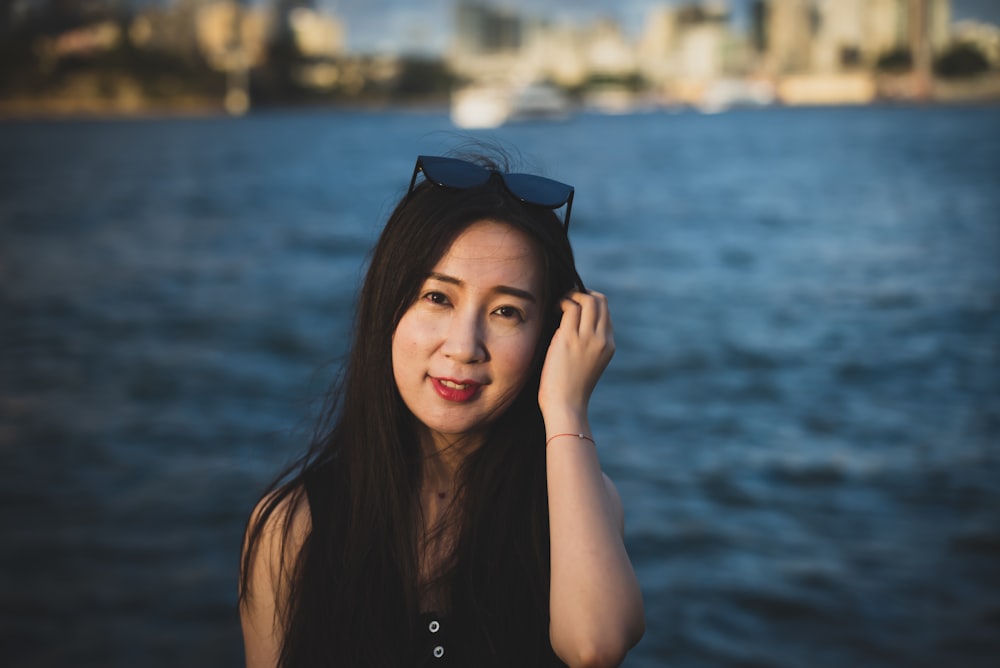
438 652
434 626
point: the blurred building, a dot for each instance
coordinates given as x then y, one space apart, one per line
317 35
839 39
702 40
985 37
885 28
683 50
481 29
557 53
231 36
608 52
487 43
787 29
169 30
657 44
889 25
572 55
56 13
61 28
312 33
681 53
828 36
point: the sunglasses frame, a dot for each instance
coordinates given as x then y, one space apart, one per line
475 171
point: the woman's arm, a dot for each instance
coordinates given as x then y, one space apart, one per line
271 563
596 612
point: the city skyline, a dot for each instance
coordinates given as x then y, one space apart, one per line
397 27
393 26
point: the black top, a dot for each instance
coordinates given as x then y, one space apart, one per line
436 645
438 642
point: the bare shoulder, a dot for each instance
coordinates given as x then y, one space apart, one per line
277 528
275 533
615 499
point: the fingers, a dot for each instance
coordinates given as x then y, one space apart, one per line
586 312
579 352
572 312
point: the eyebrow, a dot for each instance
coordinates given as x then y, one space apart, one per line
502 289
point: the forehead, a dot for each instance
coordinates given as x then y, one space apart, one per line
492 250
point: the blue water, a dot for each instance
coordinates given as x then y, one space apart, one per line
803 417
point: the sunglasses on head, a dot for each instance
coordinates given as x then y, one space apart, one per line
527 188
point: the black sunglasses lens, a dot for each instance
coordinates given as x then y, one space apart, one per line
454 173
538 189
529 188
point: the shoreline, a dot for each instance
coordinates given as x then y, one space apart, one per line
55 108
10 113
984 91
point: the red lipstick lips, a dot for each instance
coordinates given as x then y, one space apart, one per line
458 391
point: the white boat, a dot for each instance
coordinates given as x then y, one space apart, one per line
611 100
736 93
480 107
539 102
490 106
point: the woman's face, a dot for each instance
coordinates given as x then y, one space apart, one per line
463 349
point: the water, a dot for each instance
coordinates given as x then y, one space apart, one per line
802 418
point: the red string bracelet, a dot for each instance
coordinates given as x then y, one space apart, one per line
583 436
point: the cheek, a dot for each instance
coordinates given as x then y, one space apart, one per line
402 347
413 339
519 356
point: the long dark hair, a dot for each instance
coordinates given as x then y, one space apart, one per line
352 594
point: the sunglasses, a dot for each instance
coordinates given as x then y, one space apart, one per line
527 188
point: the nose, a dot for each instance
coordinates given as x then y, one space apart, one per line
463 341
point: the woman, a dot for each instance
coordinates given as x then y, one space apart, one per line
453 510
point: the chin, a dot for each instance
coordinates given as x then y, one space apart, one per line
452 429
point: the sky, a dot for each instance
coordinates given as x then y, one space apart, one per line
403 25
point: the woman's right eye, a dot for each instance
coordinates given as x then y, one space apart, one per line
436 298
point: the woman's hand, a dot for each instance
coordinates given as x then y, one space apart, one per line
579 352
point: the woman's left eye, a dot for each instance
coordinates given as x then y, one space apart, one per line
509 312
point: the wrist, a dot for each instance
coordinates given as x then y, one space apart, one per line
565 419
578 437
